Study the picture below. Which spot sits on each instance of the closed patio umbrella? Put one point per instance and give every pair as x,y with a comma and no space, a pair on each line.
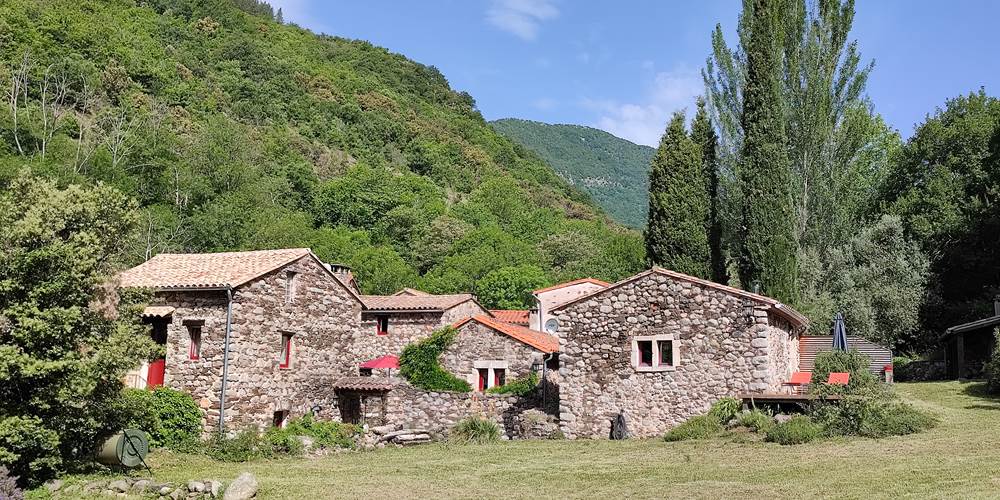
839,333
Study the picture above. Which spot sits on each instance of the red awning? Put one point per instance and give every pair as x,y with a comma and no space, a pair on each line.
383,362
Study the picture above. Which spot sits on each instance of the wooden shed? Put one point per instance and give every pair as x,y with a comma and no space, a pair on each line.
810,346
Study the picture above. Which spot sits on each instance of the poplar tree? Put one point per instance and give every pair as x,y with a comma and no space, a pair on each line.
767,242
703,134
678,204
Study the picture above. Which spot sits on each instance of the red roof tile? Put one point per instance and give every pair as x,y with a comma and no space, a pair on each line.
539,340
411,291
512,316
372,384
571,283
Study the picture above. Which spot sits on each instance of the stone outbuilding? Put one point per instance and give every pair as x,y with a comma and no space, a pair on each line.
488,352
275,321
662,346
390,322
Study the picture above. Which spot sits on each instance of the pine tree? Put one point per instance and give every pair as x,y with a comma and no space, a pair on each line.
279,16
703,134
767,235
678,204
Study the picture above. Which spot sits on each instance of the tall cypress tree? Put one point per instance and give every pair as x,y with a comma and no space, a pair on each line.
678,204
767,234
703,134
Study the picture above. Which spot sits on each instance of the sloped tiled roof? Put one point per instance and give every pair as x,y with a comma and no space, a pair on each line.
539,340
512,316
414,302
213,270
592,281
207,270
374,384
793,316
411,291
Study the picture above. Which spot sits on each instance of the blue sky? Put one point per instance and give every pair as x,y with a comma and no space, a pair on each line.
625,66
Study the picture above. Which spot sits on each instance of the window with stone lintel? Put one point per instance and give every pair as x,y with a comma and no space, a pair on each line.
655,353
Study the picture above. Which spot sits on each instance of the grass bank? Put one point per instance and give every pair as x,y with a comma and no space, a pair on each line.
958,458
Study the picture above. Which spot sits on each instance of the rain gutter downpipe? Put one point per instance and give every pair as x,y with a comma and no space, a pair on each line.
225,360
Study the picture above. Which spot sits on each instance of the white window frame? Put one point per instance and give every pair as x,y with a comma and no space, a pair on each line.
656,339
489,365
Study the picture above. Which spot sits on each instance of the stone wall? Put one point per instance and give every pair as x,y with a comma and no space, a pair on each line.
404,328
720,353
545,301
438,412
477,342
322,318
461,311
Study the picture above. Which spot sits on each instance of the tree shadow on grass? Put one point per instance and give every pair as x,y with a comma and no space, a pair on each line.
978,390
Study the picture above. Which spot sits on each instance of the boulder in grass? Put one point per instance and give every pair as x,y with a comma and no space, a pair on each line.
243,487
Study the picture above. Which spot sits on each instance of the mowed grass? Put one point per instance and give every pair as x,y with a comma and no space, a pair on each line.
960,458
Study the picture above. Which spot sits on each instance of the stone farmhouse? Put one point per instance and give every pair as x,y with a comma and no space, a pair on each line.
659,346
663,346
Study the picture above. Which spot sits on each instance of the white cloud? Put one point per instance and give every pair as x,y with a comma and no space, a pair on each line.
521,17
644,122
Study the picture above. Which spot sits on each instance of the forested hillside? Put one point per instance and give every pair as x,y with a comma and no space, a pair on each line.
234,131
614,171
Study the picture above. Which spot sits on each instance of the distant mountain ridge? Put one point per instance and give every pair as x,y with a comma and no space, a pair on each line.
612,170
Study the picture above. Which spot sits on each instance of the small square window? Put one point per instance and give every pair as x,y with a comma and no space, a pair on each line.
285,360
382,325
194,343
645,352
280,419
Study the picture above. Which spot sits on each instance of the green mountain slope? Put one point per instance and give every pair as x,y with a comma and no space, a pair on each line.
614,171
233,131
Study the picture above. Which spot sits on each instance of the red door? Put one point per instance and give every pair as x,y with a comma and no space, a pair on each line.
157,367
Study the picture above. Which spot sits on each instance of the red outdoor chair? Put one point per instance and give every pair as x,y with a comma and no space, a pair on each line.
839,378
799,380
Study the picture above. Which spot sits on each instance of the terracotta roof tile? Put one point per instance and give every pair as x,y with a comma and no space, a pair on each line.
411,291
571,283
375,384
414,302
539,340
207,270
512,316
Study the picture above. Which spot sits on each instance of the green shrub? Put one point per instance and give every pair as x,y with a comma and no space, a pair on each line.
28,449
280,441
852,362
992,366
170,417
755,420
873,415
799,429
475,429
325,434
700,427
725,409
419,363
521,386
243,447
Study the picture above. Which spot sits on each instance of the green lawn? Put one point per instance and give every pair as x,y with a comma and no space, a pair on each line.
959,458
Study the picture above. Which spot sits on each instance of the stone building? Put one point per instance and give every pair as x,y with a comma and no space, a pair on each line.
390,322
288,319
546,299
487,352
663,346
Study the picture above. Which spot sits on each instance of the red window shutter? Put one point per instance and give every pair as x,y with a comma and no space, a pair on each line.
499,377
484,375
286,351
382,325
194,347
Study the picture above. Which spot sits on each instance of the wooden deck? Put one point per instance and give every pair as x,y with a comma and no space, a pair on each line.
801,400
